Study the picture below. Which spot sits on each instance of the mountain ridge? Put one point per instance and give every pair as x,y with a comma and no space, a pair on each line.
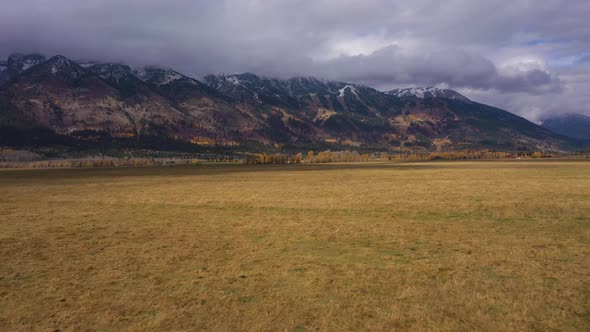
427,92
571,125
61,95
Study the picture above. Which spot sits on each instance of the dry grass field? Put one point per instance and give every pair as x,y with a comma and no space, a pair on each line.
426,246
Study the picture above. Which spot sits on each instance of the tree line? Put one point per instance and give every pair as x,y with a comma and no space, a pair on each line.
311,157
470,155
354,156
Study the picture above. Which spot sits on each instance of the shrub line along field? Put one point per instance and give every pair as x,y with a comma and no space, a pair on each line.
502,245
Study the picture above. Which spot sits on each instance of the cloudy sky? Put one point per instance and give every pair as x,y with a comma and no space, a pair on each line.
530,57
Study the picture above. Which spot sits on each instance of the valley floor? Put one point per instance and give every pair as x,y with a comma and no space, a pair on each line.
375,246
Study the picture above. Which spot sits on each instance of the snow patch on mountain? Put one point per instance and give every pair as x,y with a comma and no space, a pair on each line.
107,68
424,93
158,76
352,89
233,80
170,77
17,63
87,64
417,92
28,64
141,73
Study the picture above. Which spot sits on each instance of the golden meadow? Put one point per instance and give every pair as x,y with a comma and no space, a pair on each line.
471,245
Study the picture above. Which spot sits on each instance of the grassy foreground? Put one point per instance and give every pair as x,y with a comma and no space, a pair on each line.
449,246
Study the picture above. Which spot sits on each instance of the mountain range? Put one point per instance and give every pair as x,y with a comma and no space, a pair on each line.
570,125
66,98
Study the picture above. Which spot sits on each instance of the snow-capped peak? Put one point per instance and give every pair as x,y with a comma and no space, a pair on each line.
425,93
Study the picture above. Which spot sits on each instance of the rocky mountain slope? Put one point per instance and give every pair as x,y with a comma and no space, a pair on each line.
65,97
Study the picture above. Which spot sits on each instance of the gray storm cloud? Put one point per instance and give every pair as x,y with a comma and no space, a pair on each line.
451,67
500,51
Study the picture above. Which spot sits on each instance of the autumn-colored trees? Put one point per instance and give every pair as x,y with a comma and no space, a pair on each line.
321,157
10,159
336,157
354,156
275,158
467,155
